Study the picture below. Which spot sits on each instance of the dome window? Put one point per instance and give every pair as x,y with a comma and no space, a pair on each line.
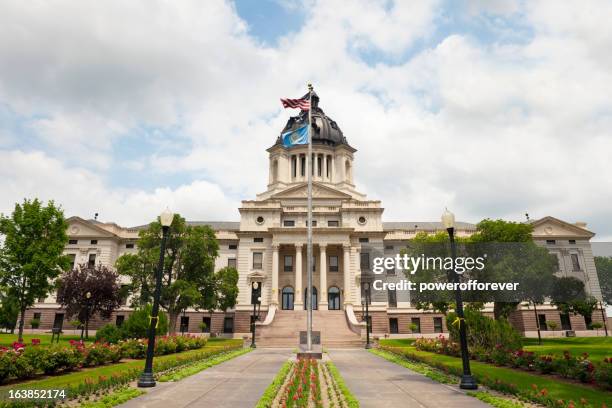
362,220
260,220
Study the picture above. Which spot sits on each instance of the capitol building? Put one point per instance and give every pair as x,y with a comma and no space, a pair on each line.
268,246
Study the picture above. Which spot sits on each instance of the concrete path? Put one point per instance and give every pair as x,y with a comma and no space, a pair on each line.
236,383
379,383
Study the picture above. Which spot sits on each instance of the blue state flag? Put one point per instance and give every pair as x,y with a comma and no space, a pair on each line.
294,137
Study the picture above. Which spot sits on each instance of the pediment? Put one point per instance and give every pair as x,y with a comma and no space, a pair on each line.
318,191
78,227
554,227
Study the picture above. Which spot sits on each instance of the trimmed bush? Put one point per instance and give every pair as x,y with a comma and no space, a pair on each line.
137,325
484,332
109,334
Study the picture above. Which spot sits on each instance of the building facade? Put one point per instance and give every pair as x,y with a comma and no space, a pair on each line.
268,246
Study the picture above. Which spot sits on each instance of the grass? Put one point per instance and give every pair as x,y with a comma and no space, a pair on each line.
115,398
350,399
556,388
495,400
7,339
597,347
202,365
65,380
269,394
396,342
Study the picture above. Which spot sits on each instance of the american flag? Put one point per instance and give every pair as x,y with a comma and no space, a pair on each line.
303,103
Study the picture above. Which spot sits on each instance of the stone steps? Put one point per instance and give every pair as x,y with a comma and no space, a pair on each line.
284,330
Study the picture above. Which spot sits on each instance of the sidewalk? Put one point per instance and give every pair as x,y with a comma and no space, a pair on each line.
239,382
379,383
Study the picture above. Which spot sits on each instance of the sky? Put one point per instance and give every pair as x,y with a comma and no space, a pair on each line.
491,108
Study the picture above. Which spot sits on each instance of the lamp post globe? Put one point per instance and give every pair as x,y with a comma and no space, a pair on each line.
467,380
256,301
146,378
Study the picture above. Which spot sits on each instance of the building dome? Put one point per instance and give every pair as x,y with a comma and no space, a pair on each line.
324,129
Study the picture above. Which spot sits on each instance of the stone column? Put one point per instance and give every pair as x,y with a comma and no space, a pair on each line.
274,274
323,275
299,294
346,270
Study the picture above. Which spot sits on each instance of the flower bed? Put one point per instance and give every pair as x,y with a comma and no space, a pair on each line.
23,362
307,383
579,368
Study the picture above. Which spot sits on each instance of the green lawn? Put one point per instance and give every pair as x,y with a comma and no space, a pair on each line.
523,380
396,342
597,347
7,339
64,380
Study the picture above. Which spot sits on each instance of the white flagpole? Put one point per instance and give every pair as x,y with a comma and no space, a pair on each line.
309,217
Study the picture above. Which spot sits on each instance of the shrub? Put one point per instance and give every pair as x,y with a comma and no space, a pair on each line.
137,325
109,334
35,323
485,332
133,348
544,364
603,374
61,358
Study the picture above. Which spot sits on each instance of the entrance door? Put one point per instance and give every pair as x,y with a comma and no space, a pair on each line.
287,303
333,298
315,298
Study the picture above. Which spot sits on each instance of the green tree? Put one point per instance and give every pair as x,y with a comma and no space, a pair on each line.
188,274
9,311
226,282
31,257
603,264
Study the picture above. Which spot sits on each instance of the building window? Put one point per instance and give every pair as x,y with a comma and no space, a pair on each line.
288,263
438,325
257,260
124,292
259,220
287,298
415,325
71,259
333,223
231,263
542,322
314,263
73,241
364,240
314,223
302,165
129,246
393,325
184,328
206,328
392,297
333,263
228,325
328,167
572,242
94,242
288,223
551,242
566,324
575,262
319,166
37,317
232,246
91,263
364,258
293,166
389,247
362,220
119,320
258,239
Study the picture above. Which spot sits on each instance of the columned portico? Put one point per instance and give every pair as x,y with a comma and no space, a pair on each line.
298,276
323,277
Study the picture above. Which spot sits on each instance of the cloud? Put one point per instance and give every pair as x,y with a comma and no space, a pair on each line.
441,116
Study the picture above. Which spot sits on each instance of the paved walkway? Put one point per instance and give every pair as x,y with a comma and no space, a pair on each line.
379,383
236,383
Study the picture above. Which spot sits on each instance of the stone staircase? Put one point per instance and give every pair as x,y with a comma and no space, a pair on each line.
287,324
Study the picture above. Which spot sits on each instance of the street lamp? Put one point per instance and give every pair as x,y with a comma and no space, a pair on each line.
256,305
146,378
467,381
366,287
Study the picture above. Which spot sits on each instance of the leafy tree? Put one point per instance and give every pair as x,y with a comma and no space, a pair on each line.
226,280
603,265
137,325
31,257
188,274
9,311
100,282
585,307
565,291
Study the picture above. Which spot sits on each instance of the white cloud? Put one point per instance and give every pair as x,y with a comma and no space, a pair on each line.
489,129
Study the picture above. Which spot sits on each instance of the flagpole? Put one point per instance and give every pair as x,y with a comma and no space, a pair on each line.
309,217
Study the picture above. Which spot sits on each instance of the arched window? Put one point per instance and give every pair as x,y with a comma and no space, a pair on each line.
287,293
315,298
333,298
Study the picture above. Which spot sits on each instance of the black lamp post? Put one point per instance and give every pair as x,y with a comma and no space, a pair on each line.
85,330
467,380
256,299
146,378
366,287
